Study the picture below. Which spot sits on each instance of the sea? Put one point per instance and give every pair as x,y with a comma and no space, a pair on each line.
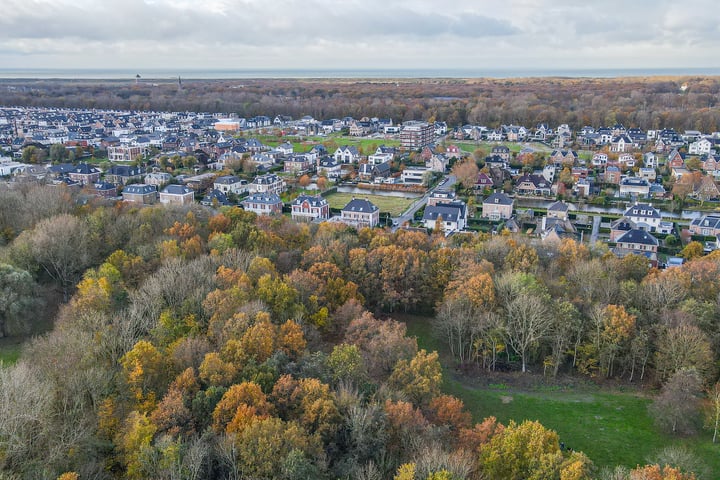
219,74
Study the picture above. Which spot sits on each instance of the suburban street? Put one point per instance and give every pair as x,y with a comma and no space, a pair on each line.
407,216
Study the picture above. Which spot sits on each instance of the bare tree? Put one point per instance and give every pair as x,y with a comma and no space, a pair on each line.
677,407
527,320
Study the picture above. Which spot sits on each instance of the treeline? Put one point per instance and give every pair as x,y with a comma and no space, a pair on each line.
224,345
648,103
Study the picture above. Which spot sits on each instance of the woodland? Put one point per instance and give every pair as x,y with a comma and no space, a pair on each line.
190,343
681,103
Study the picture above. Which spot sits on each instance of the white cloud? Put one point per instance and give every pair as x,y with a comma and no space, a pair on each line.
357,34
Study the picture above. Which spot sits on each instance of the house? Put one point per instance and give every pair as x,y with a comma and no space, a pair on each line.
438,163
200,182
414,175
440,196
497,206
621,143
649,173
707,225
84,174
599,159
555,230
125,153
360,212
105,190
701,147
298,164
563,157
501,151
215,198
533,185
177,195
140,193
122,174
306,208
558,210
650,160
637,242
157,178
285,148
368,172
453,216
484,182
644,216
347,154
626,160
263,203
634,186
268,183
676,159
330,168
382,157
612,175
230,184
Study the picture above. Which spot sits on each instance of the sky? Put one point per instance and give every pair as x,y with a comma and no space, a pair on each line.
359,34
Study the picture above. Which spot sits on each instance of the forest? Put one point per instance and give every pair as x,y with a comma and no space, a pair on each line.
681,103
190,343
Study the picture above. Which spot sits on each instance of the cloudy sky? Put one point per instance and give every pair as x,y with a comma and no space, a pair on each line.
350,34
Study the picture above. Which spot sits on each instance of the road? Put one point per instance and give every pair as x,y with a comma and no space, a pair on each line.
446,184
595,229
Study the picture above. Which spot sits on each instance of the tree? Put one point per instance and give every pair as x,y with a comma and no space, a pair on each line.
420,378
304,181
61,246
677,407
692,250
655,472
683,346
466,173
529,450
58,152
18,299
527,321
712,409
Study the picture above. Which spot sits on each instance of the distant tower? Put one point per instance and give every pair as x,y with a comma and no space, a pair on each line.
179,83
137,79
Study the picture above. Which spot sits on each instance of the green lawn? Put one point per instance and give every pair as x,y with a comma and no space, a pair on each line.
366,145
611,427
487,146
9,353
393,205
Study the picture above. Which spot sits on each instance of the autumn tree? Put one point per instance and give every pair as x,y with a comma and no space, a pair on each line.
466,173
529,450
420,378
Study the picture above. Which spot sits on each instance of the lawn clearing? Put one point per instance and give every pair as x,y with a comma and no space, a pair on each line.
9,353
393,205
611,427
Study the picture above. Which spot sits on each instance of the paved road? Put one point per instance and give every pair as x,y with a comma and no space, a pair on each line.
595,229
407,216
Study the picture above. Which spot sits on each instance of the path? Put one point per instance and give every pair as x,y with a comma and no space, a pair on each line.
595,229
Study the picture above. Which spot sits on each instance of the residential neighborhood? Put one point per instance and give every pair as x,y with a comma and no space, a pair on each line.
180,158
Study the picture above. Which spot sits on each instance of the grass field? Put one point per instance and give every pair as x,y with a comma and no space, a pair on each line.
9,353
611,427
366,145
393,205
513,146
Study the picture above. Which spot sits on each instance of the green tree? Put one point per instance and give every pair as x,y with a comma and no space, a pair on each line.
18,298
58,152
